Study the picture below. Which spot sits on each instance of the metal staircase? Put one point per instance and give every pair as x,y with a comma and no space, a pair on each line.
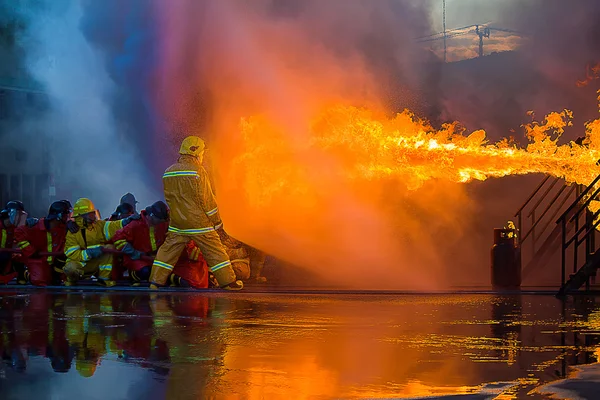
578,234
573,234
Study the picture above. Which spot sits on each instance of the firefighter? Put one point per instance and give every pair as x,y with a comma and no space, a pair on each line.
12,216
140,241
86,249
194,216
126,207
46,236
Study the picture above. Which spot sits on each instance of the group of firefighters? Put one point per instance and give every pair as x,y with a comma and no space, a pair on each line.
180,243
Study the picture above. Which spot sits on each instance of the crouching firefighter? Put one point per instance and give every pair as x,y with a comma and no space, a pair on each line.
48,235
194,216
86,248
11,217
140,240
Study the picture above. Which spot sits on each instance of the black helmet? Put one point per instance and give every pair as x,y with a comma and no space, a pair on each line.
14,206
159,210
59,209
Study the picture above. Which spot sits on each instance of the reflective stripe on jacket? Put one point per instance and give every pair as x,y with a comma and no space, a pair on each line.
99,234
190,198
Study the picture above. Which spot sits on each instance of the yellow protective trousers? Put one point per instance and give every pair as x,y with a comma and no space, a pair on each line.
209,244
99,267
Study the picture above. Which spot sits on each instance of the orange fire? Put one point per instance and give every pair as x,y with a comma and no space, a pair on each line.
592,72
361,145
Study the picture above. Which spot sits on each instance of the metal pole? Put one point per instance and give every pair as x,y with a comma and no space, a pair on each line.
444,21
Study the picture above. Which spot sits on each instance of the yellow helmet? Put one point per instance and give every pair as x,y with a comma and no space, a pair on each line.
83,206
192,145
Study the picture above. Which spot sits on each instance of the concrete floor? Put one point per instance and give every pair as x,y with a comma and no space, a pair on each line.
143,345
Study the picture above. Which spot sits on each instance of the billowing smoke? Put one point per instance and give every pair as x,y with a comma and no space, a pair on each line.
128,80
98,122
286,61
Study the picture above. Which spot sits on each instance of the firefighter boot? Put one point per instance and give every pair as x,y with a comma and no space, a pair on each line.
235,285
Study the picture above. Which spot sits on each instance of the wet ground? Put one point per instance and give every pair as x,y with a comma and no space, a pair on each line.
142,345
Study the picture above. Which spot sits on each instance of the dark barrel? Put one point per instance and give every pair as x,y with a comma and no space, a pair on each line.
506,260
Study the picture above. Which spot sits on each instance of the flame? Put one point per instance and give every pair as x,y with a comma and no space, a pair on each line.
356,144
592,72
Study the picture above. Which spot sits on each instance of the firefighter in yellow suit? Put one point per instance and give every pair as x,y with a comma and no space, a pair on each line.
85,247
194,216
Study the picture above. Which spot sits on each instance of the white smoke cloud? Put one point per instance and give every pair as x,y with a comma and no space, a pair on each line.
91,156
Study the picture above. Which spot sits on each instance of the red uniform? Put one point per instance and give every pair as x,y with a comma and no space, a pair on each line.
143,237
147,239
7,241
38,239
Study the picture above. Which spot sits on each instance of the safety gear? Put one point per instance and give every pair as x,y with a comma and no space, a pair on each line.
192,145
122,211
41,239
15,205
177,281
60,210
228,241
192,267
31,222
237,285
211,248
158,210
129,198
140,236
131,252
83,206
106,282
7,241
194,216
94,252
131,218
140,275
96,235
72,226
14,212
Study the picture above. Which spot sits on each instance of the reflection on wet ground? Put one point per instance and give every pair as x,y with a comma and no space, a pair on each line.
255,346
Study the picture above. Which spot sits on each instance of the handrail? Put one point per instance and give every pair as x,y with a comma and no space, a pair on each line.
560,206
591,230
542,198
583,234
532,195
581,196
584,205
548,207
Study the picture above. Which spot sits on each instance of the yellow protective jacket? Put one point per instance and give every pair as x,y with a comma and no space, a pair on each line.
98,235
190,198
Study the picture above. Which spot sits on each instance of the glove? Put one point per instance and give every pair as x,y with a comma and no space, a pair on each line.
221,232
227,240
72,226
94,252
31,222
59,261
128,220
131,252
